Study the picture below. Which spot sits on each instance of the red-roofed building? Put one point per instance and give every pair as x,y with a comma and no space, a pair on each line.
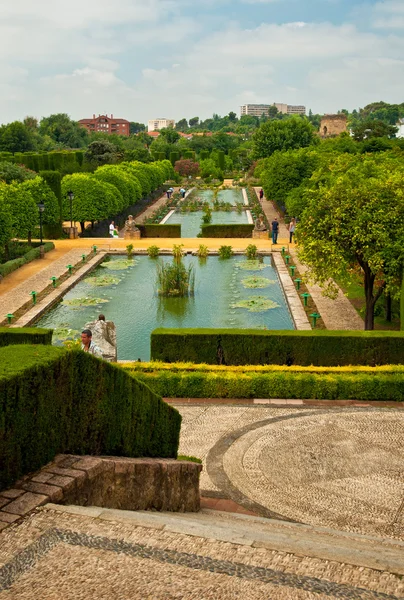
106,124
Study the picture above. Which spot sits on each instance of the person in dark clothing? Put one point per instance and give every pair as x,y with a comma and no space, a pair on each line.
261,194
275,230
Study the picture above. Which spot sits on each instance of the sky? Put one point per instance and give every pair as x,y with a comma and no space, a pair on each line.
147,59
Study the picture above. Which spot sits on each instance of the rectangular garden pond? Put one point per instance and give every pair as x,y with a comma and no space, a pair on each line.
191,220
229,293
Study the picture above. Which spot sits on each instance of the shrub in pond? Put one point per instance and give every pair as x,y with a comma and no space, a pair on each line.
256,304
175,279
153,251
129,250
225,252
202,251
257,282
251,252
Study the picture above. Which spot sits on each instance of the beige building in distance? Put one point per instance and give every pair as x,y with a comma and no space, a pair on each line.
157,124
257,110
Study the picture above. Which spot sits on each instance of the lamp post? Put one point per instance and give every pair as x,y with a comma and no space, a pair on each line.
72,233
41,208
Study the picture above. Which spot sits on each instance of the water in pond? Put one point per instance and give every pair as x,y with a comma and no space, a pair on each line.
191,222
135,307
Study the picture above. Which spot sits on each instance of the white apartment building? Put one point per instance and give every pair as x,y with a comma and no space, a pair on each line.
157,124
257,110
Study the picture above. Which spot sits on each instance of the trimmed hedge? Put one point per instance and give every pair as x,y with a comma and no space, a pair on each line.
242,346
242,230
24,335
275,384
58,401
160,231
16,263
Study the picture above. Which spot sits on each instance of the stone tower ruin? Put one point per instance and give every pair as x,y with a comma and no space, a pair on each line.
332,125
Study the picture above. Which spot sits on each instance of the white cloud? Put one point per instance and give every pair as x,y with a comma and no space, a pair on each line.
389,15
150,59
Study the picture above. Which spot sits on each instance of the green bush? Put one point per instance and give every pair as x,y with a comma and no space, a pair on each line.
24,335
242,230
53,400
160,231
53,179
32,254
254,347
225,252
277,384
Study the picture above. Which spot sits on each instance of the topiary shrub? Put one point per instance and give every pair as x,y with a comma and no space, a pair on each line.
57,401
242,230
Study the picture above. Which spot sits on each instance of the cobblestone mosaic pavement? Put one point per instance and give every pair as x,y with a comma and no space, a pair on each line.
339,468
56,556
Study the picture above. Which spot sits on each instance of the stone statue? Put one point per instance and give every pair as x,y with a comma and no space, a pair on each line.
130,230
104,336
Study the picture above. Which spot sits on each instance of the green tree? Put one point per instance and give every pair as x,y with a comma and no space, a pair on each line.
372,128
181,125
136,127
101,152
283,135
10,172
64,131
22,209
169,135
208,168
6,229
354,219
232,117
41,192
194,122
284,171
16,137
94,200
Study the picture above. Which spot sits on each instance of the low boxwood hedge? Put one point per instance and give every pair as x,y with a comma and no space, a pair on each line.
254,347
160,231
16,263
24,335
53,400
278,382
241,230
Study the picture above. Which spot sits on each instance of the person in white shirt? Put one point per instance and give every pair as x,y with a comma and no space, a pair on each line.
112,229
87,344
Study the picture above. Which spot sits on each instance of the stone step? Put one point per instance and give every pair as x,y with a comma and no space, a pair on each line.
383,554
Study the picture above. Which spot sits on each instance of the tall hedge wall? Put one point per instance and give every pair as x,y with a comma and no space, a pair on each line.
242,230
160,231
253,347
24,335
53,400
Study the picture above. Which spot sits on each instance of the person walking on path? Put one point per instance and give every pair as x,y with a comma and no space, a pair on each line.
261,194
291,229
182,192
275,230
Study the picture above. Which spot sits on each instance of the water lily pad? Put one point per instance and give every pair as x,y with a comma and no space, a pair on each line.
64,333
101,280
256,304
257,282
87,301
118,265
253,265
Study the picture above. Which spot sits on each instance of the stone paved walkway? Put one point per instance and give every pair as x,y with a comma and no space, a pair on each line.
15,297
75,553
339,468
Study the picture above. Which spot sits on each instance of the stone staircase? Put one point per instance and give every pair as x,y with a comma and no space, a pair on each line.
358,550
